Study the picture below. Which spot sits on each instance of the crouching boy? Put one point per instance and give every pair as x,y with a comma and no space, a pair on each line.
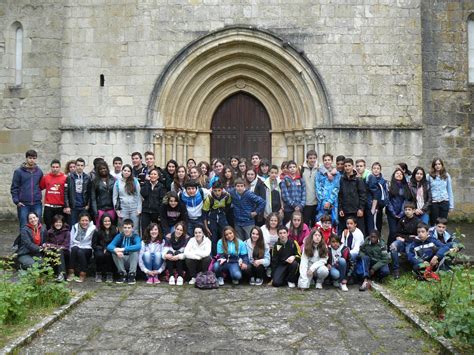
125,248
373,260
286,255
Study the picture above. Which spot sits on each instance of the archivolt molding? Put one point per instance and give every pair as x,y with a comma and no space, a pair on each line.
236,59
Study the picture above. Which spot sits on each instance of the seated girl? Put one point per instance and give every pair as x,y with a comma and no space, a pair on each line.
57,240
81,247
232,257
173,254
172,212
32,237
313,261
297,229
286,255
197,253
259,256
270,229
103,259
150,258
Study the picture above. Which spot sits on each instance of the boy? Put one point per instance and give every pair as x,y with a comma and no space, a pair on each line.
150,165
286,255
425,251
273,202
78,192
293,192
194,203
362,172
117,172
256,159
352,195
125,248
406,233
373,260
352,237
340,264
308,173
246,206
25,189
340,163
138,168
215,210
439,232
54,183
327,189
264,170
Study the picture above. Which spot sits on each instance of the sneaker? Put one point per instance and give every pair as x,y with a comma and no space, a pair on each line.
319,285
252,281
109,277
336,284
172,281
60,278
156,280
396,274
344,288
365,286
258,282
150,280
220,281
70,277
192,281
179,281
131,278
291,285
98,277
121,279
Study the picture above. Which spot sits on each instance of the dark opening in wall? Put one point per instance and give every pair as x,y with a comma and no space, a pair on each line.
102,80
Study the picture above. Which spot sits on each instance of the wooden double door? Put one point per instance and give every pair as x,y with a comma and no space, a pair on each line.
240,126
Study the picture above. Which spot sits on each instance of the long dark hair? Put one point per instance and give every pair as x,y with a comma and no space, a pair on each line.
423,181
147,235
296,231
224,240
259,250
309,248
177,184
225,181
130,181
442,174
394,189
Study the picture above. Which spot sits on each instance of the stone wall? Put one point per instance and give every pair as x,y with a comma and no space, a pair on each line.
448,99
30,112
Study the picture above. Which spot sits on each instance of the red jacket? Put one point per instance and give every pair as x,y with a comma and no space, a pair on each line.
54,186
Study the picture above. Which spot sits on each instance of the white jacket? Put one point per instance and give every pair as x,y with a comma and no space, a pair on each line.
357,240
197,251
156,248
317,266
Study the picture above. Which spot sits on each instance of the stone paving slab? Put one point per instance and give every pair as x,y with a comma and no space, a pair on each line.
164,319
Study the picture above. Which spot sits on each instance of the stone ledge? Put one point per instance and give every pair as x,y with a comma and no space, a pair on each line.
38,328
413,318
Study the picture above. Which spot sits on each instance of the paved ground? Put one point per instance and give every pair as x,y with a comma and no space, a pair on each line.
164,319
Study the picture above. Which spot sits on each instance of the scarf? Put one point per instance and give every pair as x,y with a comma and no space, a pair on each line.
36,233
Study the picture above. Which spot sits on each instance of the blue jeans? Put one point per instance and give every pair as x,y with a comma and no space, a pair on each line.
152,261
338,271
425,218
363,268
193,223
233,269
398,247
24,210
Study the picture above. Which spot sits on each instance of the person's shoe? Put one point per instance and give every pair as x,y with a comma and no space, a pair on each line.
70,277
179,281
344,288
98,277
365,286
336,284
235,282
121,279
252,281
172,281
81,278
60,278
291,285
192,281
396,274
319,285
156,280
150,280
258,282
131,278
109,277
220,281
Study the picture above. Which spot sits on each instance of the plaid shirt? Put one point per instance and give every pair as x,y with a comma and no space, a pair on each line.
293,193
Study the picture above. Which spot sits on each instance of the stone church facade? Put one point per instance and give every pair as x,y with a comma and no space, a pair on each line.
384,80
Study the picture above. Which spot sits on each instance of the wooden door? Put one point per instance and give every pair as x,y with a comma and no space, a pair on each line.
240,126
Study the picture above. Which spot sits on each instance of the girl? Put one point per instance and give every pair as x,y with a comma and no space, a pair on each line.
197,253
218,169
172,212
169,172
297,229
227,178
102,193
173,254
406,172
441,191
256,186
339,262
234,164
326,228
259,256
204,168
242,168
150,258
270,229
126,197
58,239
293,191
81,247
377,197
286,255
195,174
313,261
103,259
152,193
232,257
70,167
32,237
179,180
191,163
397,195
420,194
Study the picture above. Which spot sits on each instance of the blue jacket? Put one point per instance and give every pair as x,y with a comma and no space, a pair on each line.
421,251
293,193
131,244
397,202
25,185
232,254
377,190
245,204
327,190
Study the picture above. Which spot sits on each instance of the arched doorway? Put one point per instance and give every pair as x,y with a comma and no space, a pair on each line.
240,126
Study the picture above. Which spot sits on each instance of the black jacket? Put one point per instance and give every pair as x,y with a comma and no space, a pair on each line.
26,246
281,252
412,188
352,194
408,227
70,193
152,197
101,195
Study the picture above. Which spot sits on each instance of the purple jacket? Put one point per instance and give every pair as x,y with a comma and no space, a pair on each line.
25,185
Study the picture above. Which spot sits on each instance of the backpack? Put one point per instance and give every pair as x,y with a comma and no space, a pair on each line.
206,281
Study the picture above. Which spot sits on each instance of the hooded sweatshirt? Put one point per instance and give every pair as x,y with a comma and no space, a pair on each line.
25,185
82,238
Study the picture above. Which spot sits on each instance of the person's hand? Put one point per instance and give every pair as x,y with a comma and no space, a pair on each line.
360,213
309,273
253,214
401,239
373,210
119,214
329,266
244,266
222,261
19,204
434,261
67,210
290,259
341,213
327,206
297,208
209,233
138,213
119,254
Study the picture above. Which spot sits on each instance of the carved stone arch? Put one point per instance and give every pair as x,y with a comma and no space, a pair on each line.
208,70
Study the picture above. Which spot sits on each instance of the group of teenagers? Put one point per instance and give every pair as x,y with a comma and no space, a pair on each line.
289,225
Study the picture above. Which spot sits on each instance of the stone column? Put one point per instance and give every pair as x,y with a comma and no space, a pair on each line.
169,145
180,153
190,140
158,148
300,147
291,145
